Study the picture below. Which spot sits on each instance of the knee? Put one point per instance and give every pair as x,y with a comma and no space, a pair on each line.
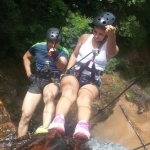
84,100
25,118
48,97
70,94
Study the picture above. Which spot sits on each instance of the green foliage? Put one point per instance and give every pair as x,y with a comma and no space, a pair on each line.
129,96
112,65
117,64
76,25
133,31
9,18
23,23
137,1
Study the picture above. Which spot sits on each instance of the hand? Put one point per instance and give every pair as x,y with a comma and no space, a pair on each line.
110,30
53,53
32,78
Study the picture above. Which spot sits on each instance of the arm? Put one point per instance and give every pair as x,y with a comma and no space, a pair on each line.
75,53
61,63
111,49
26,61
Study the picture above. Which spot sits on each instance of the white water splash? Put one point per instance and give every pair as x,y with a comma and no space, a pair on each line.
94,144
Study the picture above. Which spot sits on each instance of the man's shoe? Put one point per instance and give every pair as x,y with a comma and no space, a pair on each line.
41,129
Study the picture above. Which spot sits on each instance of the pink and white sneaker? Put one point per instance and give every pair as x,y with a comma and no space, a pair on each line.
82,131
58,124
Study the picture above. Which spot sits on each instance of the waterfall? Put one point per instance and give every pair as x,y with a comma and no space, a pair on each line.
94,144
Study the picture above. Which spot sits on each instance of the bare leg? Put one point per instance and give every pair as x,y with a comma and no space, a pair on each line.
29,104
86,95
69,88
49,93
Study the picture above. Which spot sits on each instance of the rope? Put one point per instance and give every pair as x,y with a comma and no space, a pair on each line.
141,146
121,93
63,21
142,142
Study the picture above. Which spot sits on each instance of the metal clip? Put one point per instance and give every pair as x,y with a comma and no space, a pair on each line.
95,52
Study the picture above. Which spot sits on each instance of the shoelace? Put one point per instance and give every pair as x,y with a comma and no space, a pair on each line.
83,125
59,119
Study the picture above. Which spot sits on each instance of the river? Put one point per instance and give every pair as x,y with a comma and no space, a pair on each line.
117,130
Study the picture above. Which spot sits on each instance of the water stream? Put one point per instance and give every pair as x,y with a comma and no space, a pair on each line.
94,144
115,133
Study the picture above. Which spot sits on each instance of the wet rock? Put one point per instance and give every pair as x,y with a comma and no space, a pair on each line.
47,141
137,95
6,125
13,92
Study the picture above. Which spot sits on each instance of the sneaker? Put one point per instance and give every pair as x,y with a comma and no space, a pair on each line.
58,124
82,131
41,129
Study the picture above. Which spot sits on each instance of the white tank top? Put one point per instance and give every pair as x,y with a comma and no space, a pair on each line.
100,59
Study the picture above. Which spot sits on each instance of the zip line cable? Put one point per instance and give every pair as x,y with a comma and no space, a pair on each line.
121,93
103,41
60,29
141,146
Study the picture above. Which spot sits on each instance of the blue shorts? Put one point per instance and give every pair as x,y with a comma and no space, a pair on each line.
97,84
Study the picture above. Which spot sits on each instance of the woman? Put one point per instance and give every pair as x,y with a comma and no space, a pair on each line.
82,81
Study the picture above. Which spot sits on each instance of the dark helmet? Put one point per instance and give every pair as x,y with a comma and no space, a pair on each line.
52,35
103,19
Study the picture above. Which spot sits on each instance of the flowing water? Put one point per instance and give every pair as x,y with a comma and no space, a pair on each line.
94,144
115,133
118,130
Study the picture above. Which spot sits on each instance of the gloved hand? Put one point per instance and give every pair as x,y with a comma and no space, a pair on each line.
32,78
53,53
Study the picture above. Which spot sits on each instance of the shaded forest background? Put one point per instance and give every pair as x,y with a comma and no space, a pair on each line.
24,22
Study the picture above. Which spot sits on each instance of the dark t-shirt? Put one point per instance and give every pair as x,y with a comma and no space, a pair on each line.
39,50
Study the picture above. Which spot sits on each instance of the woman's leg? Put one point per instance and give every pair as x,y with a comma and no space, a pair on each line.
69,88
86,95
29,104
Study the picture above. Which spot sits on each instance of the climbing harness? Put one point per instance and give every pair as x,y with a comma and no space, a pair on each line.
113,20
54,75
87,72
48,75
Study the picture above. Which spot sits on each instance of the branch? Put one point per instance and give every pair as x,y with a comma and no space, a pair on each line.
145,148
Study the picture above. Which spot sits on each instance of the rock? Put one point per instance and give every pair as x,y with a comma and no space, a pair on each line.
13,92
6,125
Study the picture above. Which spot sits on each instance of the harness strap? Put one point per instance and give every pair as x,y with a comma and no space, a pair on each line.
51,76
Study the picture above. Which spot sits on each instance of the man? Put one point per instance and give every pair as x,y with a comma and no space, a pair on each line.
51,59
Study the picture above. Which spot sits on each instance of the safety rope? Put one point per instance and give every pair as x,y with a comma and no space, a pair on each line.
105,36
65,16
100,110
47,63
141,146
